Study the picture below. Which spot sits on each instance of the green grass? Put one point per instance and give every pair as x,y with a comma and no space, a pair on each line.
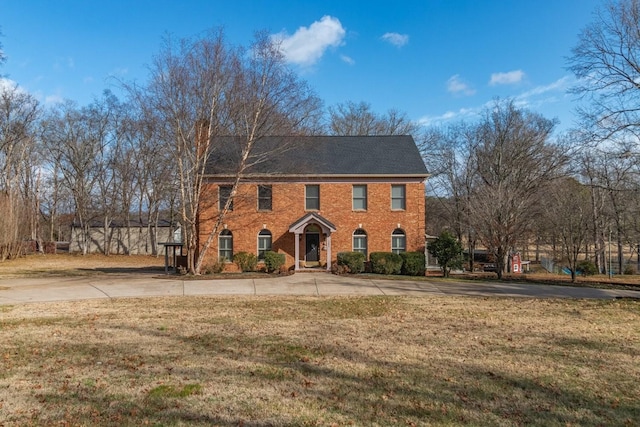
171,391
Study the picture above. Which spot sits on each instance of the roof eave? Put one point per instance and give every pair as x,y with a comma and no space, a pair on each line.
312,176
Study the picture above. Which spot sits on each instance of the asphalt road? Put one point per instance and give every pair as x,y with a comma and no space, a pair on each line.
26,290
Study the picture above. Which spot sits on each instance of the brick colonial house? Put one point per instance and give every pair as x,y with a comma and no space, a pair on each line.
314,196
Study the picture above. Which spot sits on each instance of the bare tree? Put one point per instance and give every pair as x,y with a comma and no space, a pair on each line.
187,91
202,89
448,154
568,211
352,118
74,143
3,57
267,99
515,164
19,113
156,177
606,61
614,183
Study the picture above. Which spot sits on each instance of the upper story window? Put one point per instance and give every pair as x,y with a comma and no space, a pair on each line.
360,241
264,243
264,197
312,198
398,197
398,241
359,197
224,192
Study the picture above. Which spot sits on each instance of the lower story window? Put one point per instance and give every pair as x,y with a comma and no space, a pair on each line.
360,241
225,246
264,243
398,241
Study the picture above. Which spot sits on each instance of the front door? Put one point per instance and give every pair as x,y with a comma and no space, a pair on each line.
313,247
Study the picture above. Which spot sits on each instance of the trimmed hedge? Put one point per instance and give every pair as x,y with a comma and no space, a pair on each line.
273,261
245,261
353,260
385,263
412,263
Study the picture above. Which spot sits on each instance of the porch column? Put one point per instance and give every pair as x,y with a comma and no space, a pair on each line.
297,238
329,251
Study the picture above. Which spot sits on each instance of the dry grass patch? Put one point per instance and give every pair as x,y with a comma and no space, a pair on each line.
79,265
286,361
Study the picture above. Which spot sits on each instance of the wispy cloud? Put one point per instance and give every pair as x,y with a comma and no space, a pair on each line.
450,116
307,45
509,78
457,86
347,59
534,99
545,94
53,99
560,85
396,39
64,63
122,71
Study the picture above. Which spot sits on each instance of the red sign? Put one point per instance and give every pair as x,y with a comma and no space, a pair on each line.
516,263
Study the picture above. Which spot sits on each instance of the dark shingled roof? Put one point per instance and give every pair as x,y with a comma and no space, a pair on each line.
321,156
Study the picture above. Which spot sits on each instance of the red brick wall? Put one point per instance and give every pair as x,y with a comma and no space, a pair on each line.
288,205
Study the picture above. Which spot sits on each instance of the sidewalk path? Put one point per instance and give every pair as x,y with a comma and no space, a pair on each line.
24,290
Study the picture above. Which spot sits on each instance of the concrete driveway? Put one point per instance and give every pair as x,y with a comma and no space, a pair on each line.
25,290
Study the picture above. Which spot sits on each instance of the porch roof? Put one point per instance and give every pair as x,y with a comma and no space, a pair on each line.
312,218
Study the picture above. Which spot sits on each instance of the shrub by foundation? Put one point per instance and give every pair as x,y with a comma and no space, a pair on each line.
412,263
353,260
214,267
385,263
273,261
245,261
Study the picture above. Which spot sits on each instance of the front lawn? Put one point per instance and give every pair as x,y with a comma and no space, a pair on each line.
286,361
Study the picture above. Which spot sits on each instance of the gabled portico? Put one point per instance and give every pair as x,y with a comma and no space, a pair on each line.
307,226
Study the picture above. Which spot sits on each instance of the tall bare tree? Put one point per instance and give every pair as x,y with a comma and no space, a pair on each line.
74,141
516,162
448,153
19,113
187,90
568,211
3,56
158,189
606,61
352,118
205,88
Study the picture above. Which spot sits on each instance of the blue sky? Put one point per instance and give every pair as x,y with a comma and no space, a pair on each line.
436,60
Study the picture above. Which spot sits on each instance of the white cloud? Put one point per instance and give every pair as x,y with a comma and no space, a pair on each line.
560,85
396,39
347,59
541,98
458,86
6,84
508,78
53,99
449,116
307,45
